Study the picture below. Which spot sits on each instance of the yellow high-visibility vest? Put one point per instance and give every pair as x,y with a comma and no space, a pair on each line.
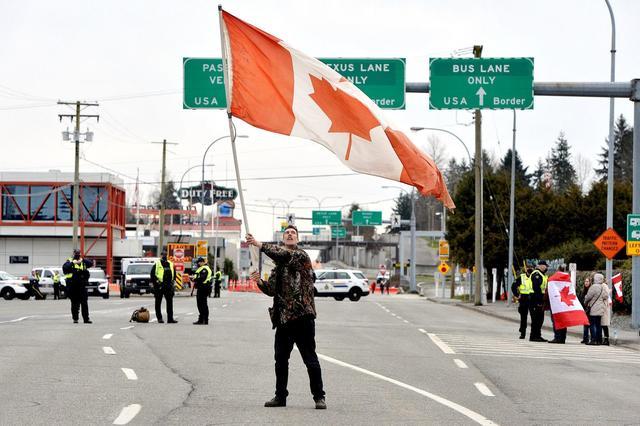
79,266
209,273
526,286
543,287
160,271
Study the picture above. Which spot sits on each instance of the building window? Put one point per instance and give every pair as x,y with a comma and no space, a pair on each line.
42,203
94,203
65,201
15,202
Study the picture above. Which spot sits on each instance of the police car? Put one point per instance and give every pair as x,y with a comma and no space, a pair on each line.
11,286
341,283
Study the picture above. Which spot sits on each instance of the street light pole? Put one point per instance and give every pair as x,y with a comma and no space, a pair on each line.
611,158
202,182
180,187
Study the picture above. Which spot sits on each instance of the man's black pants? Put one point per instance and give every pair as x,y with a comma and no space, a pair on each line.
216,290
79,298
201,299
168,295
302,332
523,309
537,318
56,291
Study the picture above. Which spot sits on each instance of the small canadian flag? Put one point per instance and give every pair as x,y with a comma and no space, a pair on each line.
617,284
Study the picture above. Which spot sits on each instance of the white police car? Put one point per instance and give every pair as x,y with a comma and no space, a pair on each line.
11,286
341,283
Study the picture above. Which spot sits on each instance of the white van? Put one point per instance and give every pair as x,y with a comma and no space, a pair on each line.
136,276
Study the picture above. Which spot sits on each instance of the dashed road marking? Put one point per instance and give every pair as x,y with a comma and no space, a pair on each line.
407,322
439,343
188,314
154,320
422,330
483,389
460,363
393,315
108,350
107,336
127,328
476,417
224,306
127,414
399,317
131,375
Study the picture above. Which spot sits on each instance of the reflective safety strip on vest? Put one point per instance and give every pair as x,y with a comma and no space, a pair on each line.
526,285
543,287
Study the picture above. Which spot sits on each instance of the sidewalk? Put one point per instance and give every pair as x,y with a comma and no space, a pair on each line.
627,337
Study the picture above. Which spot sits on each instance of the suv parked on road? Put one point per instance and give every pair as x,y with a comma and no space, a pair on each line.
98,283
11,286
341,283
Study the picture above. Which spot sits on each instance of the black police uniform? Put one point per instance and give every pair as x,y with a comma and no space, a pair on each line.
537,305
217,280
163,289
203,286
76,279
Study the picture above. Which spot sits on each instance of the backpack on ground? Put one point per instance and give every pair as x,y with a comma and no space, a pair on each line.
140,315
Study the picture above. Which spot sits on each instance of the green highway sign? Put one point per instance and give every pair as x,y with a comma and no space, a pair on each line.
338,232
203,84
316,230
633,234
326,217
481,83
382,80
366,218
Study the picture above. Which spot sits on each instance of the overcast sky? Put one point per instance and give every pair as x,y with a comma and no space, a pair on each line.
127,55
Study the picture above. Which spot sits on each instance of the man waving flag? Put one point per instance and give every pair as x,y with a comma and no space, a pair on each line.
565,307
277,88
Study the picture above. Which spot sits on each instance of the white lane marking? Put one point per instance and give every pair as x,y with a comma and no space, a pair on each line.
224,306
188,313
127,328
131,375
422,330
407,322
17,319
127,414
460,363
476,417
393,315
154,320
107,336
483,389
108,350
439,343
399,317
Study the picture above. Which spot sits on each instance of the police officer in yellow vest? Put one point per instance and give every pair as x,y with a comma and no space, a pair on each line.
76,276
217,280
202,280
163,275
522,289
56,285
539,286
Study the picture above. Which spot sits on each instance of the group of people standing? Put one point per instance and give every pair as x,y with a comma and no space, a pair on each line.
530,290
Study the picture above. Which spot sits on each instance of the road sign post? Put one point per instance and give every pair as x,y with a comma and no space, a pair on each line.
366,218
481,83
381,79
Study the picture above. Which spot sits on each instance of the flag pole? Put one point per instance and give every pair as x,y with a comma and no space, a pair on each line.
232,132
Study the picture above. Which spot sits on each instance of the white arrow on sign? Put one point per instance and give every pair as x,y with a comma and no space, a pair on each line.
481,94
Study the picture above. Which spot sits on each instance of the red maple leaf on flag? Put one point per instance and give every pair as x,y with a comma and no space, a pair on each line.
347,114
566,297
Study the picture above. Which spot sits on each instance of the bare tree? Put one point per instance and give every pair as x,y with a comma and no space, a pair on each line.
437,150
584,170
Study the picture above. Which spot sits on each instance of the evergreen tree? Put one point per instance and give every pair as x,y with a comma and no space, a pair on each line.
563,174
623,153
521,172
454,173
538,176
402,208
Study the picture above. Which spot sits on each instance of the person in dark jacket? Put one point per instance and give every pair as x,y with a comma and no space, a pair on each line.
76,275
522,288
217,281
202,281
163,274
293,313
539,283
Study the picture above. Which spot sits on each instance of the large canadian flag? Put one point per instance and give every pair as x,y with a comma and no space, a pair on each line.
277,88
565,307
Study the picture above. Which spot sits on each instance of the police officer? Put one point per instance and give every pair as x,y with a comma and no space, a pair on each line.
217,280
163,274
202,281
76,275
56,285
522,289
539,286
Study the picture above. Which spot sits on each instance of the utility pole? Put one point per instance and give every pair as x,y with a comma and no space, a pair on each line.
477,52
611,144
512,213
412,265
162,191
76,173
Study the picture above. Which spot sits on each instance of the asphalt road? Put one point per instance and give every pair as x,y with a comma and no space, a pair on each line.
385,359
